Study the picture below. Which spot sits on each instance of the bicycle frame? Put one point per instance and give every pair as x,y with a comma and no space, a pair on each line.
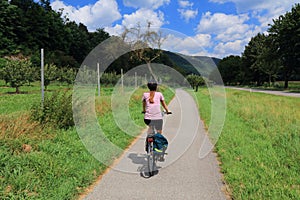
151,157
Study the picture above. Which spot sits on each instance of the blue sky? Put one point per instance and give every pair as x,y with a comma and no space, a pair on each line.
215,28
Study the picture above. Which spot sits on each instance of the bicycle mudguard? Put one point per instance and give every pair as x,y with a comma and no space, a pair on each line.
150,139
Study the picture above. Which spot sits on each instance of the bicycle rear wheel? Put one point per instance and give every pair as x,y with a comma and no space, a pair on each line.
151,160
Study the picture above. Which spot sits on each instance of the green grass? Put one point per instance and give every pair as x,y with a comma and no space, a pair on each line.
17,103
58,166
11,103
34,87
259,147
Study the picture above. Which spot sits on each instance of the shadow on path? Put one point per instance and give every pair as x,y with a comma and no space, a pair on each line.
141,160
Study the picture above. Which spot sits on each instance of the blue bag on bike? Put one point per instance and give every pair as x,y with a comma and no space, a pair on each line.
160,143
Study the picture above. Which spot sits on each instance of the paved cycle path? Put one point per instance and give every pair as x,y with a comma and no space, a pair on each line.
280,93
183,174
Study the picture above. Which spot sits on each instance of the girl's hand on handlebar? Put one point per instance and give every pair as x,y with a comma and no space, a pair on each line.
169,113
143,112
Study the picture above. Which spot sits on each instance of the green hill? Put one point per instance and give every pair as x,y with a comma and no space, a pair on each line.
193,64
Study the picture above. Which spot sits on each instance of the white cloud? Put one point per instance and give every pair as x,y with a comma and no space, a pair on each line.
267,18
186,10
234,47
184,4
116,30
102,13
150,4
188,14
141,17
229,33
187,45
220,23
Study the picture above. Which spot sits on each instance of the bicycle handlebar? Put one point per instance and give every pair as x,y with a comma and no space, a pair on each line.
168,113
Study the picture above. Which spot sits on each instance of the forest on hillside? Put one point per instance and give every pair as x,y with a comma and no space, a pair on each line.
27,26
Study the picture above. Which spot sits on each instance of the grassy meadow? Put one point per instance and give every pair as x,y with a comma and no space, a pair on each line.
42,162
259,147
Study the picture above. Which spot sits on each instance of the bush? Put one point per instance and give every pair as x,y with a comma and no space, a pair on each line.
56,110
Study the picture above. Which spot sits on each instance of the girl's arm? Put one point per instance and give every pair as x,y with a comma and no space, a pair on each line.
164,105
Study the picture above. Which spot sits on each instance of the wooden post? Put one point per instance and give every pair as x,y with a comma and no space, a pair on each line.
42,75
98,78
135,80
122,80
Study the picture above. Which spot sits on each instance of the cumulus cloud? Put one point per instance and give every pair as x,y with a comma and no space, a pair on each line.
229,47
225,27
188,14
141,17
230,33
187,45
150,4
184,4
102,13
186,10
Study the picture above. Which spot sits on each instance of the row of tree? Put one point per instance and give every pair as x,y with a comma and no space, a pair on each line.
18,72
268,57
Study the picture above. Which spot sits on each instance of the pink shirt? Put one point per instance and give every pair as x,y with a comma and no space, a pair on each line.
153,110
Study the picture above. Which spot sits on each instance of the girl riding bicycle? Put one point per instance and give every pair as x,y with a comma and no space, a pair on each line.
151,107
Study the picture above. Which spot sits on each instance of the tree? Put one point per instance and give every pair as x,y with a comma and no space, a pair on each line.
80,46
67,75
97,37
8,18
268,61
195,81
17,73
249,59
146,45
51,73
286,34
230,70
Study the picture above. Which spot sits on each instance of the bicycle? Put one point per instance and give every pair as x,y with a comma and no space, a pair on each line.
153,155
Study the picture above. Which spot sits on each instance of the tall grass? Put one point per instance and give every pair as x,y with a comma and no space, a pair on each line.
259,147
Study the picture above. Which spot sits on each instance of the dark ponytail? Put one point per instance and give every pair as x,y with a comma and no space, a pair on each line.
152,87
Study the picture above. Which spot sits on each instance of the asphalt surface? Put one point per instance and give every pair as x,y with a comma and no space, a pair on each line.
183,174
281,93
